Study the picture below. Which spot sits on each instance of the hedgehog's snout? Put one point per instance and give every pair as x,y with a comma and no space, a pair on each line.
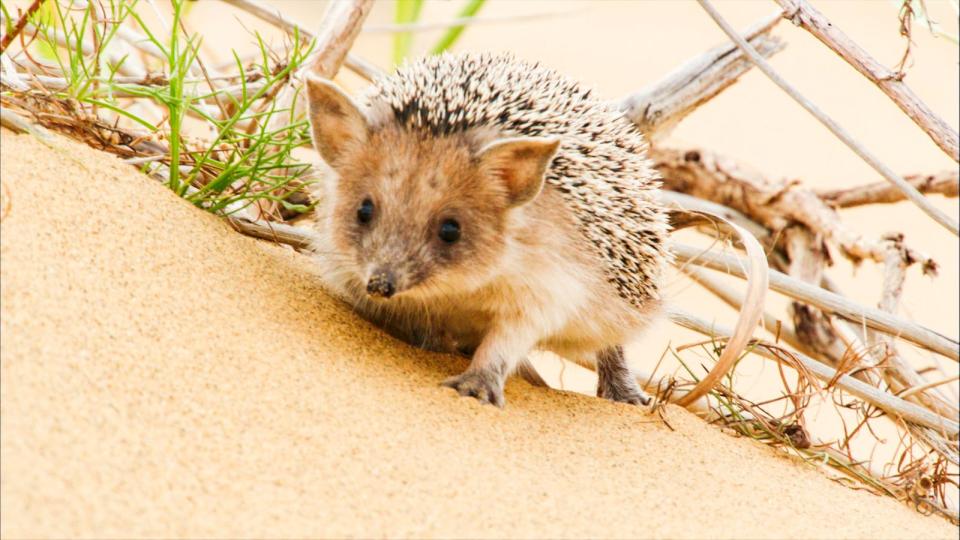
382,283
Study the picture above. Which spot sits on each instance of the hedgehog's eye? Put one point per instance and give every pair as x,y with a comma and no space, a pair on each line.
365,212
449,231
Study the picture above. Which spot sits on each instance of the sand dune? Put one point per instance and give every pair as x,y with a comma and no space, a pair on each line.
164,376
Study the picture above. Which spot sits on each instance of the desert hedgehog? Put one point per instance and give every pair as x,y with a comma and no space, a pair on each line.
483,204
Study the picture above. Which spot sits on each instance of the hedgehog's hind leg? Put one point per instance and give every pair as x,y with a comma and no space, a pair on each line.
616,381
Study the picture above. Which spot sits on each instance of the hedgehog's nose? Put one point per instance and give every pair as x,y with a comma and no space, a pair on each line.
382,283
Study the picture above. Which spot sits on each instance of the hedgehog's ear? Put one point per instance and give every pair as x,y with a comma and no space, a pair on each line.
520,163
337,121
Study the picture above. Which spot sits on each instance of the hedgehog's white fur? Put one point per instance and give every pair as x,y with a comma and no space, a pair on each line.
601,169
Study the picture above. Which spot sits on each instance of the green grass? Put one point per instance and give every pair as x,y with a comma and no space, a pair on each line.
241,159
247,152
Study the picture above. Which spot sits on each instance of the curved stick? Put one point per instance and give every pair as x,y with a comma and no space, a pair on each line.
750,315
827,301
892,405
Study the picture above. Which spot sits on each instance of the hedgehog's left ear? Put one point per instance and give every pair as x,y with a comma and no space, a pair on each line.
336,120
520,163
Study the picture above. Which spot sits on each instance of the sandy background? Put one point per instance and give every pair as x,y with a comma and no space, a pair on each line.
164,376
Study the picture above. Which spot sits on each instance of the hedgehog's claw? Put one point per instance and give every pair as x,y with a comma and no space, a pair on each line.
485,386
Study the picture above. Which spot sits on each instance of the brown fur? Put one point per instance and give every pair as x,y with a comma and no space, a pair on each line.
424,182
522,274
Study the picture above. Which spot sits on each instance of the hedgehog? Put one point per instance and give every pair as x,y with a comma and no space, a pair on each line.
482,204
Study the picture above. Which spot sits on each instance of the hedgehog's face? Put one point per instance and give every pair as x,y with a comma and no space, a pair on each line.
413,215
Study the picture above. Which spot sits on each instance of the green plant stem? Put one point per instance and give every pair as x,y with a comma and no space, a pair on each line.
408,11
453,34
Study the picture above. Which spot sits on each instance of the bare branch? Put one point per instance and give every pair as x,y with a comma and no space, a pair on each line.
946,183
59,84
19,124
899,373
340,28
938,215
18,27
707,176
892,405
682,201
821,330
658,108
295,237
808,258
734,298
828,301
469,21
275,17
116,58
802,14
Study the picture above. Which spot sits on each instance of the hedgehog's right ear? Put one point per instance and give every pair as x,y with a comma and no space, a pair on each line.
337,122
520,164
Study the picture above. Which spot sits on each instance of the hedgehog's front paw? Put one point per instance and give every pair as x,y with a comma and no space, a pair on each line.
484,385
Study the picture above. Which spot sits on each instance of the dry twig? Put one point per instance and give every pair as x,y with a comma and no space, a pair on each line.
274,16
890,404
707,176
828,301
911,193
18,27
659,107
899,374
802,14
340,28
946,183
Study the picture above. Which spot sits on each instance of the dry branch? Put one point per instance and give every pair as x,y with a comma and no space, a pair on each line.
707,176
658,108
915,196
123,67
340,28
828,301
899,373
802,14
60,84
837,339
425,26
946,183
734,298
816,332
296,237
18,27
19,124
808,257
682,201
278,19
888,403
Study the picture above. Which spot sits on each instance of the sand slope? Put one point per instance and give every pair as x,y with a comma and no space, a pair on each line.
165,376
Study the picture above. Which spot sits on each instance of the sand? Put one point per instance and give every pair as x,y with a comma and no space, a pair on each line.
165,376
